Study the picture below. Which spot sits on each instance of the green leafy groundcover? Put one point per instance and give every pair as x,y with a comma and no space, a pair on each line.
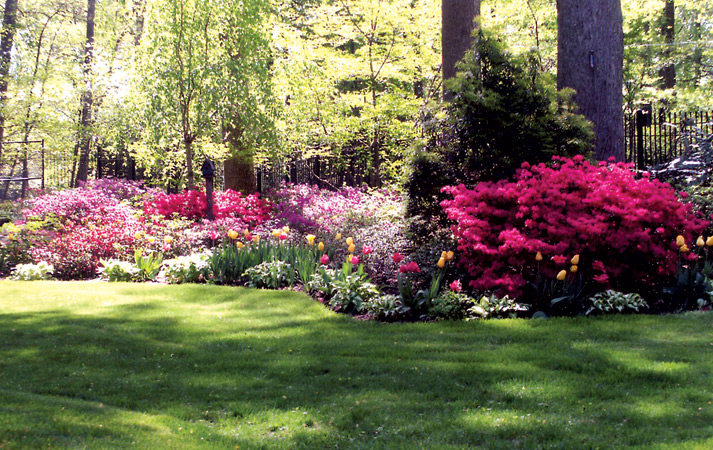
111,365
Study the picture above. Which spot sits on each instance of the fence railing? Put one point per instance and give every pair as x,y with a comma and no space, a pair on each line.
653,136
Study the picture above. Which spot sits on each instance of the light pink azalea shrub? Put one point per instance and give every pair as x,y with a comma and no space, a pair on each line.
623,227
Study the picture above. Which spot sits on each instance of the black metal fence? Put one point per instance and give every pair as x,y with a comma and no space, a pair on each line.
654,136
325,172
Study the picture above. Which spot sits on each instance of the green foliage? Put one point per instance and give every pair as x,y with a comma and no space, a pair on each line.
271,275
186,269
117,270
32,272
384,307
416,303
505,112
450,305
611,301
493,307
346,289
147,266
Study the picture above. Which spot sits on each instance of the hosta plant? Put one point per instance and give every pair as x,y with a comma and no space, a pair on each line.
117,270
271,275
611,301
384,307
148,266
450,305
493,307
186,269
32,272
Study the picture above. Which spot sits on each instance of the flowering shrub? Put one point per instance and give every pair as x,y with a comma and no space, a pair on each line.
622,226
79,206
116,188
347,209
192,205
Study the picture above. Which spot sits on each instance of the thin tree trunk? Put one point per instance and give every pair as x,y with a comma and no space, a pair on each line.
238,169
188,144
458,23
9,24
590,49
668,72
85,121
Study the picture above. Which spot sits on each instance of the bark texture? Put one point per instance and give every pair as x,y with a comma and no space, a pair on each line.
238,169
590,49
85,116
457,25
668,30
7,35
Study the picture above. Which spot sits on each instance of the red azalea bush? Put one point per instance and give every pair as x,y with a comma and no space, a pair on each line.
251,209
624,228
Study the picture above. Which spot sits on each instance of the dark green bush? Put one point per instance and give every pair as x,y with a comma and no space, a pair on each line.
503,112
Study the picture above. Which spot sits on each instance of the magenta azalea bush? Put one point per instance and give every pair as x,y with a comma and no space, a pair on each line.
250,209
624,228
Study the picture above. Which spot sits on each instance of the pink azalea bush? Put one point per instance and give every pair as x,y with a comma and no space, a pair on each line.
624,228
251,209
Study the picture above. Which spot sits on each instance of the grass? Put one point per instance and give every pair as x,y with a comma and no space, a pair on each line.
87,364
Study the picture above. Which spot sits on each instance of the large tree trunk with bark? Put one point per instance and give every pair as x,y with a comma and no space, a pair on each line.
668,72
238,169
9,23
590,47
458,23
85,118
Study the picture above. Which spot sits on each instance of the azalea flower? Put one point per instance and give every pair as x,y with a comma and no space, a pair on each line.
397,257
456,286
559,259
603,278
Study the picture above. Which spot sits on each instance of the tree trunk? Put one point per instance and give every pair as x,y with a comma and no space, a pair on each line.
85,119
458,23
590,49
188,143
668,72
7,35
238,169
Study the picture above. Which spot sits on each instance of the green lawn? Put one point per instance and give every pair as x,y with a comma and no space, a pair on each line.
115,365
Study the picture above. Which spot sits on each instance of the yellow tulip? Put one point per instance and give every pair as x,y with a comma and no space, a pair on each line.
232,234
700,242
573,269
684,248
450,255
352,247
286,229
167,239
240,245
246,233
256,239
320,246
350,241
441,263
137,235
444,255
575,260
538,256
150,239
276,232
680,241
338,236
561,276
310,238
709,241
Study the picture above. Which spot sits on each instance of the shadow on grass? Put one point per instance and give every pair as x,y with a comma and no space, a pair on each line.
273,369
